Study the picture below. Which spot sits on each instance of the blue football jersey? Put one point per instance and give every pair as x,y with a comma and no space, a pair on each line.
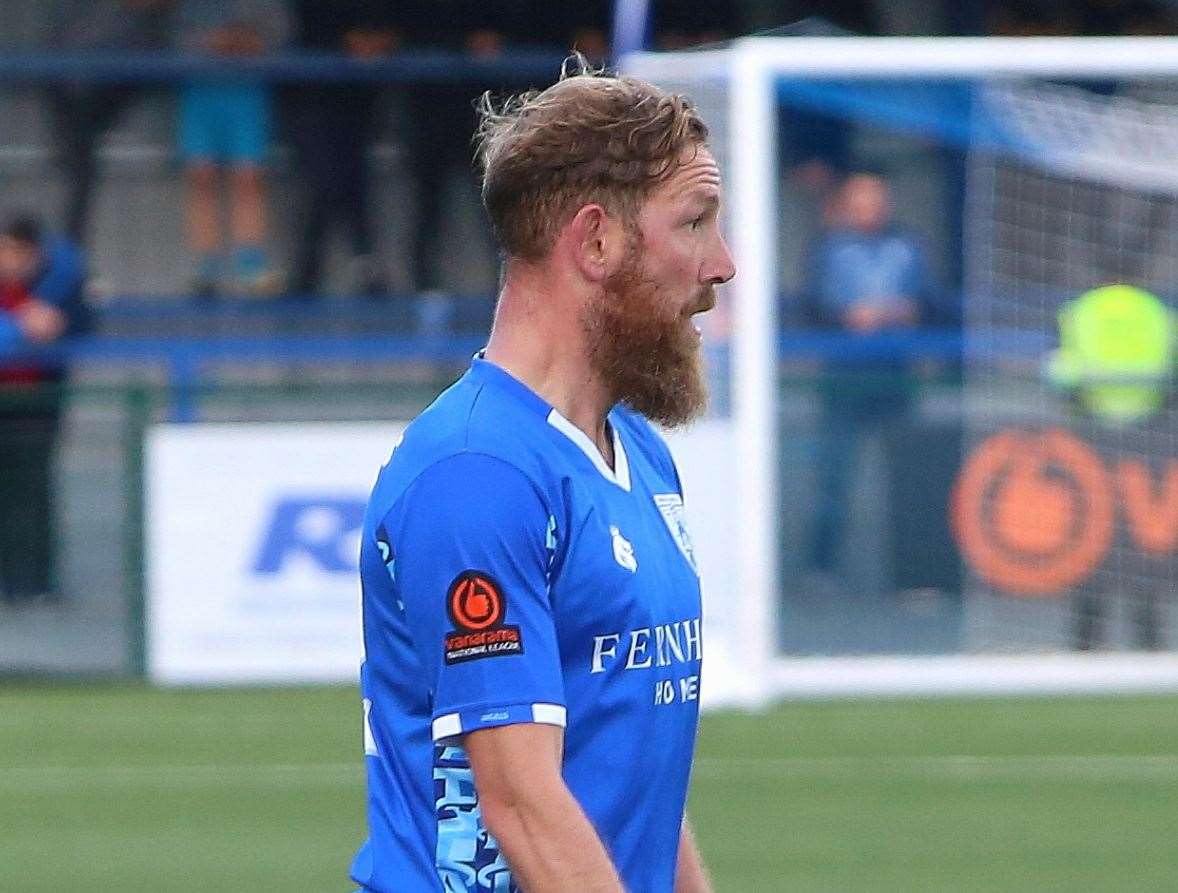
510,575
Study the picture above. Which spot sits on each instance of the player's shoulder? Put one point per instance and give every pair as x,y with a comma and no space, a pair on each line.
471,433
637,430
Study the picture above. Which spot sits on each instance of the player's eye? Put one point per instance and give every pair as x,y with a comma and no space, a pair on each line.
697,222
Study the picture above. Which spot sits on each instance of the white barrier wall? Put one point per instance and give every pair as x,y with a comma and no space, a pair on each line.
703,454
253,534
251,544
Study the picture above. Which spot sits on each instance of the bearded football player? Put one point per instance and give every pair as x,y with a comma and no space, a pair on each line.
532,620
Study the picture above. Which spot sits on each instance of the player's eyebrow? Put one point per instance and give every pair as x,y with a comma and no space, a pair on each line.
704,195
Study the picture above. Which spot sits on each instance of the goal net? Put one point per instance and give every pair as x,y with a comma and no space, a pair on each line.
983,495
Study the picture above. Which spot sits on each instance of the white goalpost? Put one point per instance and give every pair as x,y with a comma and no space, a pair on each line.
1040,153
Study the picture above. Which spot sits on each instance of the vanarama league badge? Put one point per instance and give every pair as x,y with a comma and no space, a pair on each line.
477,606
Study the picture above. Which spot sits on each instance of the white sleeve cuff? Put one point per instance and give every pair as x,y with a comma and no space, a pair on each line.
451,725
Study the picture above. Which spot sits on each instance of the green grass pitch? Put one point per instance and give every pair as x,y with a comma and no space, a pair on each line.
128,789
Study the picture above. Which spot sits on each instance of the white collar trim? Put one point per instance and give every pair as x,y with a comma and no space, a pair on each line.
619,474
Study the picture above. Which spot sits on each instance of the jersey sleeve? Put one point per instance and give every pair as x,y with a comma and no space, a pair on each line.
472,558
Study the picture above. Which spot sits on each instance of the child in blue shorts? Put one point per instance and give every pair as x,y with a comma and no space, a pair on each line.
224,138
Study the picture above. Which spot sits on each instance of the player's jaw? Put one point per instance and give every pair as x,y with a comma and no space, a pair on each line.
647,348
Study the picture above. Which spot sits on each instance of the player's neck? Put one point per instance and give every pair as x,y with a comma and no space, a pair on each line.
543,345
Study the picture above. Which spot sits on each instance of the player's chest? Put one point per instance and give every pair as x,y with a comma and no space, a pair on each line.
627,591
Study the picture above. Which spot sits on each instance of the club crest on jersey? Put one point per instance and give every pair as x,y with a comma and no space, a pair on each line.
670,506
623,550
477,607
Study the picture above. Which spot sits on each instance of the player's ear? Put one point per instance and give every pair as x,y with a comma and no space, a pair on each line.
596,239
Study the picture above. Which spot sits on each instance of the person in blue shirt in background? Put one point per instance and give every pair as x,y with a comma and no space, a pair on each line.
867,276
41,289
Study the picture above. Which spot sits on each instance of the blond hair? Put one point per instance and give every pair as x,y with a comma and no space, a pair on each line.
590,137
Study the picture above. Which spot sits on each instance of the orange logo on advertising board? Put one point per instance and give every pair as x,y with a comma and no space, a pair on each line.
1152,513
1034,513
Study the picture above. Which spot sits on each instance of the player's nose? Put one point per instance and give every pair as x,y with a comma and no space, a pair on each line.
719,267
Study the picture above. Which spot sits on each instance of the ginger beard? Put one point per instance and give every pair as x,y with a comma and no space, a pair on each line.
646,351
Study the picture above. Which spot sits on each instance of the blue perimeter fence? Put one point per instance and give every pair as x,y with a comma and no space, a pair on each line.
129,333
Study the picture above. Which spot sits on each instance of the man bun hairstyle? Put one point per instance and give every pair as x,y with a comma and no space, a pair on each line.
590,137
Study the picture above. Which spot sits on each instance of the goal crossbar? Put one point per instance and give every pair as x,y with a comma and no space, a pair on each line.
921,57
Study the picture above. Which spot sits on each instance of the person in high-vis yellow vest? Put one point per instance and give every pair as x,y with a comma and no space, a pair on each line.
1116,353
1116,360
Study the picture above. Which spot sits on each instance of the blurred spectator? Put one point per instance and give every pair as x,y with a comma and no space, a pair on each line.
811,16
816,147
82,113
331,127
439,128
1116,354
1149,20
679,24
1116,362
1032,18
867,276
1123,17
225,129
586,27
440,116
41,280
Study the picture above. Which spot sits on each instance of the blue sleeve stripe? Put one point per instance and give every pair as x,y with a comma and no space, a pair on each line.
451,725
